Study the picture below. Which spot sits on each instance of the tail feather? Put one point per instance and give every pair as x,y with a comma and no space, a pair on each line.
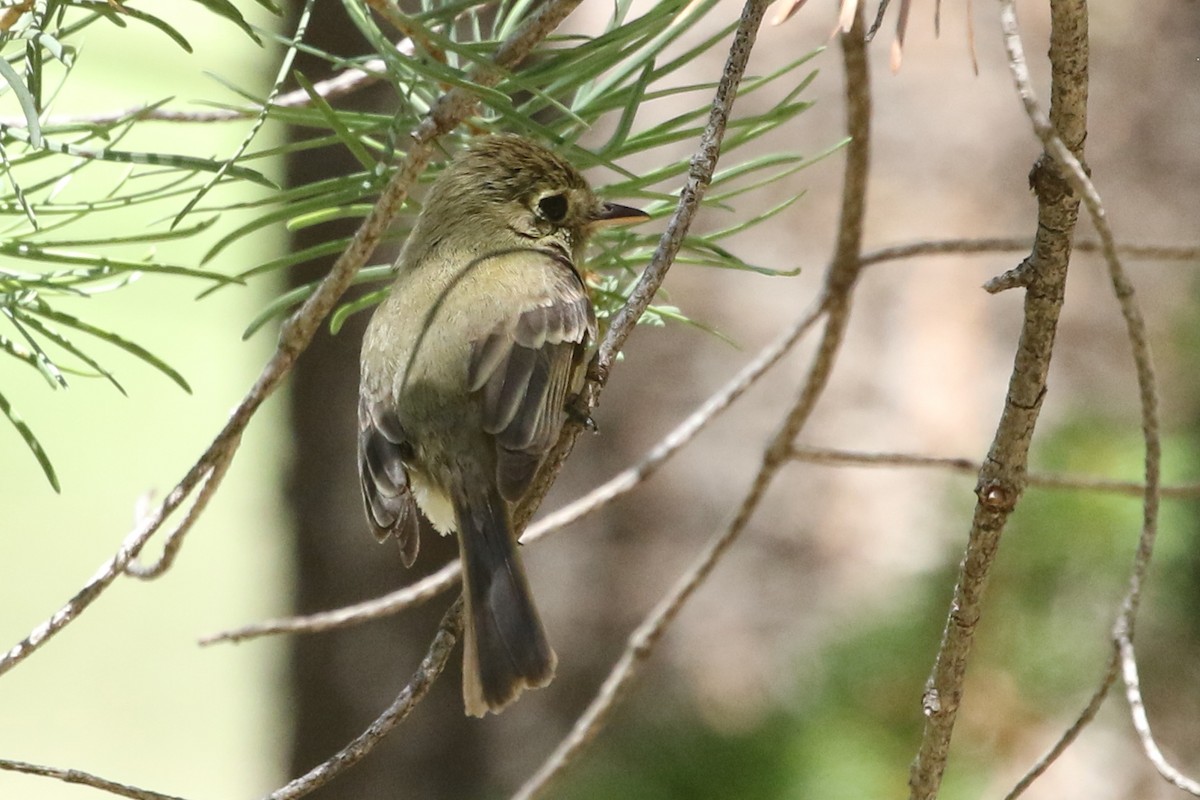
505,645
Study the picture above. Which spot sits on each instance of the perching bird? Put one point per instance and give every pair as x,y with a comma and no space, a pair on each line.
467,368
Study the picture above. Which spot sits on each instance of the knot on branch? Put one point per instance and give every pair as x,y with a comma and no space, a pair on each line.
931,702
998,496
1047,181
1018,277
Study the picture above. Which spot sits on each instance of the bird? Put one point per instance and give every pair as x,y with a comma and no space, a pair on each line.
466,372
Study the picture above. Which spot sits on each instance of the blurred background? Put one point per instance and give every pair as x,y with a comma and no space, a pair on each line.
797,670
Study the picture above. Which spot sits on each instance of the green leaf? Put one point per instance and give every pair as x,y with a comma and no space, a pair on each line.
31,442
114,339
155,22
71,348
344,134
152,159
288,300
109,265
25,100
625,124
346,310
226,9
42,360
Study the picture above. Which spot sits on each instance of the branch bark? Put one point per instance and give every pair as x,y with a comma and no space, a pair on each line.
414,691
85,779
1002,479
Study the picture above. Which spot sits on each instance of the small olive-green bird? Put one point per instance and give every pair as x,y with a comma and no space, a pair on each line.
467,369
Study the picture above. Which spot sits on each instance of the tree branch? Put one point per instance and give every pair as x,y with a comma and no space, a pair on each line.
1141,723
1002,478
85,779
1072,733
413,692
703,165
935,247
1086,483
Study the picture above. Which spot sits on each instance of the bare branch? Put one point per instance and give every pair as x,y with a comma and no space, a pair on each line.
174,540
935,247
298,330
1087,483
1070,734
1141,723
391,603
85,779
418,686
840,280
703,165
1002,478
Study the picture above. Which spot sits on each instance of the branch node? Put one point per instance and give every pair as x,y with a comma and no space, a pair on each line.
997,496
1047,181
1019,277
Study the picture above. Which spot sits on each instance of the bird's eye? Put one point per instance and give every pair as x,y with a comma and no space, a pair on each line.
553,207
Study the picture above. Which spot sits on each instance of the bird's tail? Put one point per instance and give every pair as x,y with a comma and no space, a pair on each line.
505,649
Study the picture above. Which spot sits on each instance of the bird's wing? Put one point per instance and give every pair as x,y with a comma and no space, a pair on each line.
524,369
383,449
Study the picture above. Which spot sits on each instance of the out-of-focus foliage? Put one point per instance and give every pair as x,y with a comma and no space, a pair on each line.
849,730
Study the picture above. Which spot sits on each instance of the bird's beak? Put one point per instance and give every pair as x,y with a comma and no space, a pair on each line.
616,214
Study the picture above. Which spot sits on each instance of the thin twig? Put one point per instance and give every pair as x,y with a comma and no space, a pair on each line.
298,330
700,172
701,168
1086,483
413,692
391,603
174,542
85,779
1070,734
839,282
1141,723
934,247
1002,478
